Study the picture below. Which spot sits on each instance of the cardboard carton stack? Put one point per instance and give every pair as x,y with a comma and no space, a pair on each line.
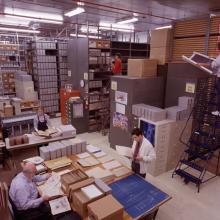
160,45
24,86
106,208
83,193
142,67
183,110
149,112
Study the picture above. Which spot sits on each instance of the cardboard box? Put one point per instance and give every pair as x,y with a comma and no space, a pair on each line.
74,187
72,177
106,208
161,38
80,202
142,67
8,110
161,54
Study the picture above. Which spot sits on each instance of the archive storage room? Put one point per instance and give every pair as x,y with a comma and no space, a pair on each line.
109,110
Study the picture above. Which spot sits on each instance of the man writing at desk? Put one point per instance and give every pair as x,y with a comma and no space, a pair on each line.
42,120
143,153
24,194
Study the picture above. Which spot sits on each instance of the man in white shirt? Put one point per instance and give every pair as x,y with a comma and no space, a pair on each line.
143,153
216,70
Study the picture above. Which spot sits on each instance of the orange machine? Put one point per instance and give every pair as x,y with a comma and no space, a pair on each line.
64,96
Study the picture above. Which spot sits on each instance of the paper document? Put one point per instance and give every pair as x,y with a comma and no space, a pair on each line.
99,172
52,187
124,151
111,165
83,155
100,154
35,160
59,205
47,133
91,191
92,149
89,161
121,171
105,159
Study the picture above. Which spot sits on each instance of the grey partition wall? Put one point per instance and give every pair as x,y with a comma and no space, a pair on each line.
179,74
139,90
78,65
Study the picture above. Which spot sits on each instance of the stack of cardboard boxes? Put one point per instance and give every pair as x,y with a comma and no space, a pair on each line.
8,82
160,45
142,67
25,86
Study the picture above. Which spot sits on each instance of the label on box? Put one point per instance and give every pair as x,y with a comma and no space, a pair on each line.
86,76
114,85
190,87
69,73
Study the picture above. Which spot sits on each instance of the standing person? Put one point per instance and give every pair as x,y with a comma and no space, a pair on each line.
117,65
216,70
143,153
24,194
41,121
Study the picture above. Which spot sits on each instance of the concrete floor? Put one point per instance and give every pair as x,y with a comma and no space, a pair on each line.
186,203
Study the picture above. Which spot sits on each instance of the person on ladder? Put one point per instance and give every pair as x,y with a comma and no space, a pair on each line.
216,70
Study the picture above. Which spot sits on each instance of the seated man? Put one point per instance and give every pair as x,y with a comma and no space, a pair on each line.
24,194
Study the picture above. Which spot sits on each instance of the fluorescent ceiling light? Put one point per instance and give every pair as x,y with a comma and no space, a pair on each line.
93,30
164,27
116,27
83,35
19,30
128,20
75,11
34,15
13,21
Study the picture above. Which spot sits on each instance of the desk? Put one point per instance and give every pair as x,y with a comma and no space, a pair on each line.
24,151
141,200
35,141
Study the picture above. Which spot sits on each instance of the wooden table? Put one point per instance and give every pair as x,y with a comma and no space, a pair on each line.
149,215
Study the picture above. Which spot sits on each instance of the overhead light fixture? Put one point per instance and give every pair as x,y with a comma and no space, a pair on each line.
84,36
75,11
13,21
93,30
34,15
19,30
128,20
116,27
164,27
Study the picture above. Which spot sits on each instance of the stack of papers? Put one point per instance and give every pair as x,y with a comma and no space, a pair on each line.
59,205
58,163
124,151
35,160
83,155
47,133
52,187
111,165
92,149
99,154
105,159
97,172
91,191
88,162
121,171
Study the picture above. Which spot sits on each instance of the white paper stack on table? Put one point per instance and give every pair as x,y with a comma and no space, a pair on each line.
67,130
78,146
98,172
92,149
83,155
124,151
111,165
59,205
35,160
58,163
121,171
105,159
99,154
88,162
91,191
